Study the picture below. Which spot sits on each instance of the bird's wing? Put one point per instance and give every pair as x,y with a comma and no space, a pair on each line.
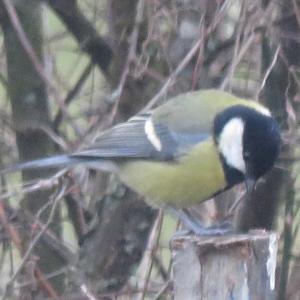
165,133
143,137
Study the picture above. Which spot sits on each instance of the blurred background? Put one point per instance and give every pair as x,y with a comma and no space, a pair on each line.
70,69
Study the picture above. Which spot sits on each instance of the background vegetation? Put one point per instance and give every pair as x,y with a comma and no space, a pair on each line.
68,70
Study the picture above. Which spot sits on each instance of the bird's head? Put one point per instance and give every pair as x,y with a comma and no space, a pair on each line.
248,140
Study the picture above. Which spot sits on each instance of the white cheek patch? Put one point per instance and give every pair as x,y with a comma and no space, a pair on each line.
151,135
231,144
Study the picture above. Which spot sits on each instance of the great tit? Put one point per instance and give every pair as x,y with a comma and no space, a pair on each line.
187,150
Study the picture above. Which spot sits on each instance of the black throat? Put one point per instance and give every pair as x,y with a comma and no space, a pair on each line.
232,175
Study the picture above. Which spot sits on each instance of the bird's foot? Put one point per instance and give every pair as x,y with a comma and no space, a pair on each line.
193,225
217,229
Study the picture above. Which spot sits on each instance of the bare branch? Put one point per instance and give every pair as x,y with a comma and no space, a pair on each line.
88,38
28,252
172,77
268,72
13,16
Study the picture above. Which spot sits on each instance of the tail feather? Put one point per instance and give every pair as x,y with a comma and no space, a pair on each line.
63,161
44,163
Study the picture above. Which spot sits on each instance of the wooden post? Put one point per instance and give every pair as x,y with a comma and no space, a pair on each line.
230,267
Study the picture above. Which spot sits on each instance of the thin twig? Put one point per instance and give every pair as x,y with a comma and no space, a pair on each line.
55,137
237,43
116,96
42,184
268,72
297,12
37,237
13,16
72,93
45,284
172,78
236,203
200,57
18,244
151,248
87,292
10,229
238,59
162,290
53,274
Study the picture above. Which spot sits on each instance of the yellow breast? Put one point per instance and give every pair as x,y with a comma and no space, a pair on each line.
195,177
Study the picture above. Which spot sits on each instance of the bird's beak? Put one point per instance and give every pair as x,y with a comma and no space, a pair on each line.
250,185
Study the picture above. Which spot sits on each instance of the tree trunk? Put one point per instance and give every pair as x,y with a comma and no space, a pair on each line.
234,266
30,111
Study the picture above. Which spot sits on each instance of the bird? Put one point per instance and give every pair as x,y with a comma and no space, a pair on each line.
189,149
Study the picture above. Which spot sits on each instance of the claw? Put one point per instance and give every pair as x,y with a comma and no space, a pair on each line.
194,226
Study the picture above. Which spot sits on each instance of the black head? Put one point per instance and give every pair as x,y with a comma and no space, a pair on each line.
248,141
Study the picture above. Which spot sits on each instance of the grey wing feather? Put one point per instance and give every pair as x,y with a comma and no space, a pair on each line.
129,140
124,140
